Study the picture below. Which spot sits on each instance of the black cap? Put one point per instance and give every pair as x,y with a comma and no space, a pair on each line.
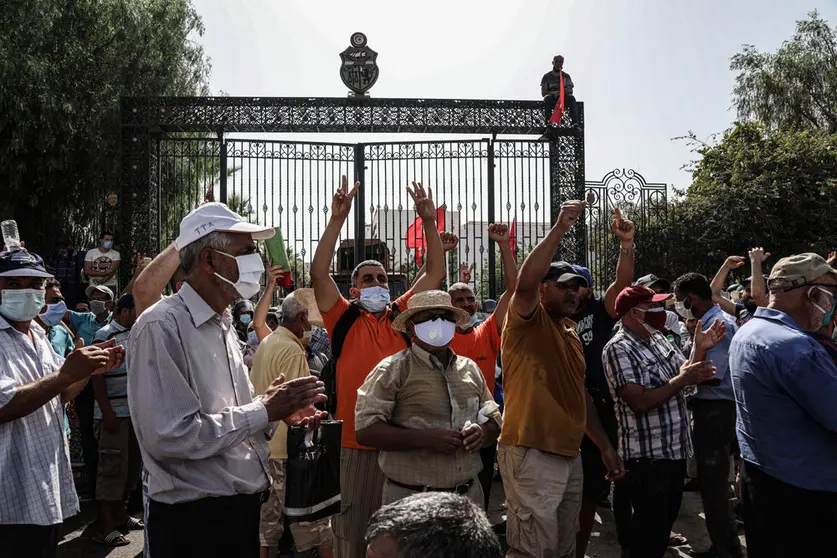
22,263
562,272
125,301
652,281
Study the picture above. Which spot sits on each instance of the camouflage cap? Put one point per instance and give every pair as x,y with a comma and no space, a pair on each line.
798,271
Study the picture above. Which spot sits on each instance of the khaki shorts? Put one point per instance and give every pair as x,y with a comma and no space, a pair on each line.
307,535
120,462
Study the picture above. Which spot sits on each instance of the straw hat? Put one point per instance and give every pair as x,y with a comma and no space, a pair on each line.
307,299
429,300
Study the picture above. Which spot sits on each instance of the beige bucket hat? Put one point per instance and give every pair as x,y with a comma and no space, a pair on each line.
429,300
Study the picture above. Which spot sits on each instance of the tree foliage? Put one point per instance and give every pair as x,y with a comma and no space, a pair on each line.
794,87
63,68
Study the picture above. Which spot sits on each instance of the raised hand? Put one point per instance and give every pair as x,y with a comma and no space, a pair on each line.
465,273
499,232
758,255
570,213
832,258
705,340
341,204
425,207
449,241
734,262
275,274
140,264
622,228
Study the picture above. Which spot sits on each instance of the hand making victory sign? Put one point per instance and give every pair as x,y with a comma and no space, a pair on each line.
342,202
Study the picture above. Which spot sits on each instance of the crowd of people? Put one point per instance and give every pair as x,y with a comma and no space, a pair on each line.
580,394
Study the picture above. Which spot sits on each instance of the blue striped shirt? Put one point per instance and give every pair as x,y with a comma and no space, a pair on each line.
116,381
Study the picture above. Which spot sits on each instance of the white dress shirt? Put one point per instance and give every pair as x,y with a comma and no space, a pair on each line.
200,432
36,482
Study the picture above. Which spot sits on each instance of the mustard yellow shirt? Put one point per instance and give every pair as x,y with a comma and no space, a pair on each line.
281,352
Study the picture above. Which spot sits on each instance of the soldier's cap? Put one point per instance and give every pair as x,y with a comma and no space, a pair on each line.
797,271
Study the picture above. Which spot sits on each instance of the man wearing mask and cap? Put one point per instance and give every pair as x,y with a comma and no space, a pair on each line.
38,493
202,435
647,377
753,288
594,321
785,387
361,337
282,353
547,410
242,313
426,409
675,330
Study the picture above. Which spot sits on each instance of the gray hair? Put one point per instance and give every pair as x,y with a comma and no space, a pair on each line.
190,255
291,307
459,287
436,524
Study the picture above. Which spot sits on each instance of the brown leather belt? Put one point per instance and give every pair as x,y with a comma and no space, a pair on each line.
461,489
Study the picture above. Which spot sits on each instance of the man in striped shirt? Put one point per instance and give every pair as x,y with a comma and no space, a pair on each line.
119,457
647,377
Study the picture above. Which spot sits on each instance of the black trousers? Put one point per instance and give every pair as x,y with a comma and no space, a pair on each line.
655,490
222,527
31,541
785,521
486,476
569,105
714,440
89,445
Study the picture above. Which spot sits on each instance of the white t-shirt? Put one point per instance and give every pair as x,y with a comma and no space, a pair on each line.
102,261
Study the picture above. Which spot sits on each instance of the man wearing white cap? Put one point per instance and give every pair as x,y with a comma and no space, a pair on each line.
37,491
202,435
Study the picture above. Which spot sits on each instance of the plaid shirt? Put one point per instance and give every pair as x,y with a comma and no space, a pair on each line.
319,342
663,432
65,268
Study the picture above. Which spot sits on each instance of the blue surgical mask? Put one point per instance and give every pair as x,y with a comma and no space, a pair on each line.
54,313
107,244
245,319
22,305
374,299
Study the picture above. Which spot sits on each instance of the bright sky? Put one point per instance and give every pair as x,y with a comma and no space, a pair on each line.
647,70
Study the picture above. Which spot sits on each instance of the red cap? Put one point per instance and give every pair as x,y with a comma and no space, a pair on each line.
631,296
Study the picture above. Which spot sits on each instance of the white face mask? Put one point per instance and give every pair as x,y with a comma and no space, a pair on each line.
250,271
436,333
374,299
685,313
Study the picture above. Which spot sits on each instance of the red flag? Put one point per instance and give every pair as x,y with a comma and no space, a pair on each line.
415,234
513,239
558,113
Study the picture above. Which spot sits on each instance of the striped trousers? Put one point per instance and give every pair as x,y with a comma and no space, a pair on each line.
361,485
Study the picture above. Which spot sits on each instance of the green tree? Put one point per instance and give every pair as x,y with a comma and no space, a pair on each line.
794,87
63,68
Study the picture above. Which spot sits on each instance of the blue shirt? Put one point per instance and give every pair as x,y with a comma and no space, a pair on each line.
719,355
116,381
61,340
85,325
785,392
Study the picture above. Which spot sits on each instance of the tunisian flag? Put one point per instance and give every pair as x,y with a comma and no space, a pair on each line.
415,234
559,106
513,239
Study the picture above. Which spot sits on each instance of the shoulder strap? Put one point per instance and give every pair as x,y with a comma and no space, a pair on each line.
394,312
342,327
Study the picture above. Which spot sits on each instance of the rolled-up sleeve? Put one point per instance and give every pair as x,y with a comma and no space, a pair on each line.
165,410
376,397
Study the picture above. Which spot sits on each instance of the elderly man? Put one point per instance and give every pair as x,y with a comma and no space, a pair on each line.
427,410
433,524
37,492
713,412
785,390
647,376
282,353
361,336
547,409
202,436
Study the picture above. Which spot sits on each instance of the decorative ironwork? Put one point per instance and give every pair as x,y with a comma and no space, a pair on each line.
355,115
644,203
359,67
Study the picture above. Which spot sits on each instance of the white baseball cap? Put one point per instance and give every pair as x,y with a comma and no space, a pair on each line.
212,217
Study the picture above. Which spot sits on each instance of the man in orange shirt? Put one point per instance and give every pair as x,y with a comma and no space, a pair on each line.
482,343
369,340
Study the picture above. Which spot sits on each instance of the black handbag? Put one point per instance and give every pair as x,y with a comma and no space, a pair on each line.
312,475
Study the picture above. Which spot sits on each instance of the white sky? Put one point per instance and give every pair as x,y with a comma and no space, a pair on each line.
647,70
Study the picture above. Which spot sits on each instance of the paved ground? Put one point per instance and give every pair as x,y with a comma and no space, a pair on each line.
77,542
